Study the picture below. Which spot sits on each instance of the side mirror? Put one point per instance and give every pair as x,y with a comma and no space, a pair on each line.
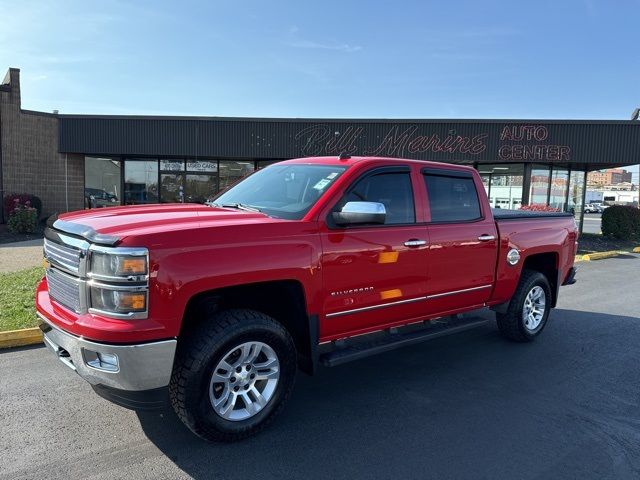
360,213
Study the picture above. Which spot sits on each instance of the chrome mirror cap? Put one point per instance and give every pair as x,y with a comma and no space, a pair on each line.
360,213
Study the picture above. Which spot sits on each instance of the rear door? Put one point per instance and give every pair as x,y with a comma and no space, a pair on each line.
375,275
463,241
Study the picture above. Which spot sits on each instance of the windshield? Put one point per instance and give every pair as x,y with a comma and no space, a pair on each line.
283,191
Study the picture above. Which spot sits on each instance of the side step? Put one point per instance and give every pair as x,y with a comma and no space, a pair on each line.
390,341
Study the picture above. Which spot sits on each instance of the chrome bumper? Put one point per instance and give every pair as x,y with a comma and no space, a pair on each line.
124,367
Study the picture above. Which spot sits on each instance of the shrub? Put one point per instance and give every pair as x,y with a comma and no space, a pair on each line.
539,207
23,218
23,198
621,222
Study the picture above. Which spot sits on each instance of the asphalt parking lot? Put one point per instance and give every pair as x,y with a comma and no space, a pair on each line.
592,223
466,406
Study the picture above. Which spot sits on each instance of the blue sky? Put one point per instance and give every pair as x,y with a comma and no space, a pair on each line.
489,59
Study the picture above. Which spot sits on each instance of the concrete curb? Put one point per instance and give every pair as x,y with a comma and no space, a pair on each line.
598,256
19,338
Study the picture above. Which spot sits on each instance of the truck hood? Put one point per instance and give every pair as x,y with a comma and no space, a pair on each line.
110,225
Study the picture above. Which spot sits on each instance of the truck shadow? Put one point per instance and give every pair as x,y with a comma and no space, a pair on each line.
452,407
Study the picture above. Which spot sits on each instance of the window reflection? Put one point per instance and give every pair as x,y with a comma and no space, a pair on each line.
558,190
576,193
539,189
102,182
200,188
231,172
172,187
141,182
503,184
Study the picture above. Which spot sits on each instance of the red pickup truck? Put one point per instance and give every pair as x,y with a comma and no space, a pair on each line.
308,261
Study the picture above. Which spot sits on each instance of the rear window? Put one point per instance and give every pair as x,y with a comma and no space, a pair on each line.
452,199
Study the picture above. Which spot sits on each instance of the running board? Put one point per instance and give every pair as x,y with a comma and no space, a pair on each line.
390,341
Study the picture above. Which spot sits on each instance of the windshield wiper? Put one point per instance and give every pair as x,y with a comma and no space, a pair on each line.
239,206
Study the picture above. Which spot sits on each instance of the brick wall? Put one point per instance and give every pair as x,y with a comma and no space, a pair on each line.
30,159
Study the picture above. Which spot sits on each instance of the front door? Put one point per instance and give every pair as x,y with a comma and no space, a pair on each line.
374,275
463,242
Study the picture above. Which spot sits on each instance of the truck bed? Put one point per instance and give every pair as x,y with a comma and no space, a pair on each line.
505,214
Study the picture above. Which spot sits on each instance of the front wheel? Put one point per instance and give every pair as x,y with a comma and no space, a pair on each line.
232,375
528,310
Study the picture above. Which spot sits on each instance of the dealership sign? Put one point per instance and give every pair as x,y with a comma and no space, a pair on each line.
529,142
516,142
400,140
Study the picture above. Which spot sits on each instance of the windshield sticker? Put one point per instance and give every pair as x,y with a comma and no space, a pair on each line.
333,175
321,184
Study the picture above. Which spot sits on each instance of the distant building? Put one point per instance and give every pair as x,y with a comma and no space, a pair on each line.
610,176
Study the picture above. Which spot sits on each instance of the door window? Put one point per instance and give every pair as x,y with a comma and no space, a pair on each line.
452,199
393,190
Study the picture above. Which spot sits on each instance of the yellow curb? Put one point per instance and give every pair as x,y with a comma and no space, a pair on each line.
600,255
18,338
636,250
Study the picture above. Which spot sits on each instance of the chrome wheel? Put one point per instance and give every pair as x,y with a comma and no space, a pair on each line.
244,381
534,308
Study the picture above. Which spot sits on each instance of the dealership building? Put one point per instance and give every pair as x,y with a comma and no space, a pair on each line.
86,161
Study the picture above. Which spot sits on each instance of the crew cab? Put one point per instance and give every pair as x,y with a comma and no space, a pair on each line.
307,262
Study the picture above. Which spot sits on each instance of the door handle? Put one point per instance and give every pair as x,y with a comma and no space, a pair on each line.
486,238
414,242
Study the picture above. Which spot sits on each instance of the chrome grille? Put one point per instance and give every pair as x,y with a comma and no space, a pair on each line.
64,289
62,255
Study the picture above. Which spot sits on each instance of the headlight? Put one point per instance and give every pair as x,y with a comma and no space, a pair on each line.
118,265
122,302
119,281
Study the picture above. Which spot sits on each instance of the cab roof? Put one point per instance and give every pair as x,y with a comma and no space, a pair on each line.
336,160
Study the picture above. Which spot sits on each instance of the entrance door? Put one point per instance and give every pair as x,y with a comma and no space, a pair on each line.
374,275
463,242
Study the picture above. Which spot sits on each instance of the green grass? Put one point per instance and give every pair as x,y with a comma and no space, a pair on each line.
17,293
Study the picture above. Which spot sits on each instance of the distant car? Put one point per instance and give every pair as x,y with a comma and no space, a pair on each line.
593,208
95,198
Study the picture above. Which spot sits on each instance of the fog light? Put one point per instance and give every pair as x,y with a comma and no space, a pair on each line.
107,362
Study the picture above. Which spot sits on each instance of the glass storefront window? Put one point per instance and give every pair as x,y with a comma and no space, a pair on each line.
558,190
200,188
140,182
576,193
101,182
539,190
231,172
503,183
171,187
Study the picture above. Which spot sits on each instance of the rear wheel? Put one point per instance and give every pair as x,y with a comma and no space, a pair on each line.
232,375
528,310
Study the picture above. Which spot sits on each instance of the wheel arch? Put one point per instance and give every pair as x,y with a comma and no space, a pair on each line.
548,264
283,300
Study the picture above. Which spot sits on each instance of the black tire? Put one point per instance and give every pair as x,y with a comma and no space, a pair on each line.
511,323
200,352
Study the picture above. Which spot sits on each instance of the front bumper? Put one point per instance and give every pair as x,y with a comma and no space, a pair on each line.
134,367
